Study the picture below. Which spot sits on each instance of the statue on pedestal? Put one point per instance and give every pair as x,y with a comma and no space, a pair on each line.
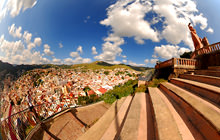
197,41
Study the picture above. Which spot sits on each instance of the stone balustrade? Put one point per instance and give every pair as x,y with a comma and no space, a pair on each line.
208,49
184,63
177,63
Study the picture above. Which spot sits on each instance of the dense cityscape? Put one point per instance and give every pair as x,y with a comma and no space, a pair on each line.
54,89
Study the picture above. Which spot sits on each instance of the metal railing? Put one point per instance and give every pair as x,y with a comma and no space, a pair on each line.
17,126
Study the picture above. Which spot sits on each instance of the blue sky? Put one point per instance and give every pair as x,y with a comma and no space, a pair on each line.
135,32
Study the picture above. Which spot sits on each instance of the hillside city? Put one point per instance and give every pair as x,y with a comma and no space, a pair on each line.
54,89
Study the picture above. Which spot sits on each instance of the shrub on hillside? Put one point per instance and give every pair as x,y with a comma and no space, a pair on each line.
120,91
141,88
155,82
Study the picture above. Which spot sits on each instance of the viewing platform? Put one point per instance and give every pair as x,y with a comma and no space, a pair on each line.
207,49
178,63
201,59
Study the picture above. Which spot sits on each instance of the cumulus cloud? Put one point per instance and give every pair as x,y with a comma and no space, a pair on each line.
60,45
79,49
10,49
22,51
14,31
77,60
124,61
56,61
135,64
110,49
37,41
47,50
94,52
27,36
153,61
126,18
123,56
169,51
14,7
31,46
146,61
16,52
210,30
177,14
68,61
74,54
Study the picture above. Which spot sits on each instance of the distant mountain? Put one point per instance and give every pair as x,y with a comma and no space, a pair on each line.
16,70
105,65
4,66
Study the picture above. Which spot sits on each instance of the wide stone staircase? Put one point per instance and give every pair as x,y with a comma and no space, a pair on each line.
185,108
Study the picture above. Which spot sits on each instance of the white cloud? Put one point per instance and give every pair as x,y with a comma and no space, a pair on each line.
27,36
110,49
210,30
86,60
153,61
68,61
177,14
124,61
123,56
47,50
74,54
31,46
14,31
94,50
169,51
56,61
14,7
79,49
10,49
126,18
15,52
154,56
77,60
37,41
135,64
146,61
60,45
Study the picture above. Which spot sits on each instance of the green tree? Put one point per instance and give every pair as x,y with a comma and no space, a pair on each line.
106,72
186,55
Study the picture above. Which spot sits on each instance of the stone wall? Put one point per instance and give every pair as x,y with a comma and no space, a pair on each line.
206,60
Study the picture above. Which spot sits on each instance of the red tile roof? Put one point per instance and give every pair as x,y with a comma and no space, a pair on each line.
90,92
102,90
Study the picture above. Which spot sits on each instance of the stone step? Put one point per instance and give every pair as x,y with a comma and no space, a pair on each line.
166,127
117,124
208,72
215,68
99,128
204,115
135,125
206,91
182,127
202,78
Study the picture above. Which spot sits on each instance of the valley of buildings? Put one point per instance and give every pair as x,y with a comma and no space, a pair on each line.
54,89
